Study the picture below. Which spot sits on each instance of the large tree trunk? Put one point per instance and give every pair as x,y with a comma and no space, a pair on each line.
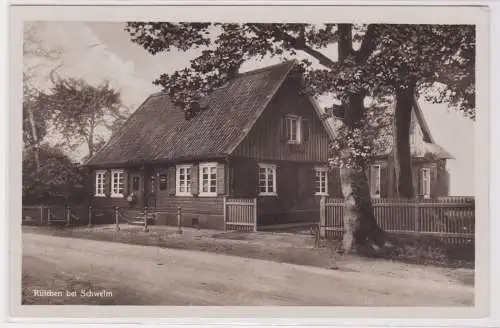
401,135
34,135
361,229
360,226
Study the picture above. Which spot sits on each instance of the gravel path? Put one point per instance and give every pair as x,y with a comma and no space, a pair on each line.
160,276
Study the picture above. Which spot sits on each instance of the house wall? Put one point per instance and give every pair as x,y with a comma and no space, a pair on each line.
205,212
295,183
439,178
266,140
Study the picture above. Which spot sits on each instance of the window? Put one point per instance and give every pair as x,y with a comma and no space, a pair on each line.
321,181
135,183
163,182
99,183
267,179
425,179
208,179
117,183
293,129
375,181
183,180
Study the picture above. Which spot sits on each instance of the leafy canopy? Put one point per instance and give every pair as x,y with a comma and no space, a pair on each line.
373,60
79,108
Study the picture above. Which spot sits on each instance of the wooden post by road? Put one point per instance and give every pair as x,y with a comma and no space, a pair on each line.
68,216
179,220
41,215
322,217
146,219
90,216
117,225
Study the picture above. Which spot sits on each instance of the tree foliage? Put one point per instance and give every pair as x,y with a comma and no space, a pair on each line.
374,60
58,180
389,56
78,109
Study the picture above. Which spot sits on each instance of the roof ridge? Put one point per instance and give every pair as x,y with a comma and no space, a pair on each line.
266,68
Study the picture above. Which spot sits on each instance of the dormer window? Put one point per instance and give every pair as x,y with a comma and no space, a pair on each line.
293,129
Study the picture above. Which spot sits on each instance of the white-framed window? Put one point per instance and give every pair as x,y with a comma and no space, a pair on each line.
375,181
267,180
208,179
99,183
117,183
425,180
293,129
321,181
183,180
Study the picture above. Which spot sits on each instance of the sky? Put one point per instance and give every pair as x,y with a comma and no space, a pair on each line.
103,51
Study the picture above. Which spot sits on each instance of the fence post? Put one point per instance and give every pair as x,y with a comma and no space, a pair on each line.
322,217
179,220
41,214
68,216
416,212
49,214
90,216
117,225
146,229
224,200
255,214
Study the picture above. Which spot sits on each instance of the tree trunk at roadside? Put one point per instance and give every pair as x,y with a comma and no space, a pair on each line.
401,135
361,229
360,226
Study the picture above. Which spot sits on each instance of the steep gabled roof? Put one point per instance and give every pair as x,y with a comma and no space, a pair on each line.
426,147
158,130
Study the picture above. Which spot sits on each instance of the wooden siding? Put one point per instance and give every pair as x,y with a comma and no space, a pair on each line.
295,200
265,138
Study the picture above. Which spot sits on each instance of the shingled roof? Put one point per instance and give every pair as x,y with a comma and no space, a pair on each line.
158,130
426,147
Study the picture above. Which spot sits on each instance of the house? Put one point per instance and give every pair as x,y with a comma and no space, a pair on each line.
258,137
430,176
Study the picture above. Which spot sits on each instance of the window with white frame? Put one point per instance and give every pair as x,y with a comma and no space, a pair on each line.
321,181
425,180
293,129
183,180
99,183
208,179
375,181
117,183
267,179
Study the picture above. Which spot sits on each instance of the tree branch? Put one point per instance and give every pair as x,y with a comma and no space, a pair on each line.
368,45
298,43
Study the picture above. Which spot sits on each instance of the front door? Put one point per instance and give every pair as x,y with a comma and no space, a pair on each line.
150,189
136,186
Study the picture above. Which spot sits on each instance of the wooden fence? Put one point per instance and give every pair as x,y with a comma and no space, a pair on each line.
240,214
451,218
55,215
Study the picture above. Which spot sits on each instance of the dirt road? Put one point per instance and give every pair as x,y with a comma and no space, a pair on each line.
117,273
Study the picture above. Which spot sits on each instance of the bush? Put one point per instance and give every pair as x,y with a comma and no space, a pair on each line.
59,179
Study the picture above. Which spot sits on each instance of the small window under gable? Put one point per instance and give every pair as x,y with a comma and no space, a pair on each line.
375,181
117,183
267,180
183,180
293,129
99,183
208,179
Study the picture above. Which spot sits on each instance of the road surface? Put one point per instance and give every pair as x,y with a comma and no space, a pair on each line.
117,273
